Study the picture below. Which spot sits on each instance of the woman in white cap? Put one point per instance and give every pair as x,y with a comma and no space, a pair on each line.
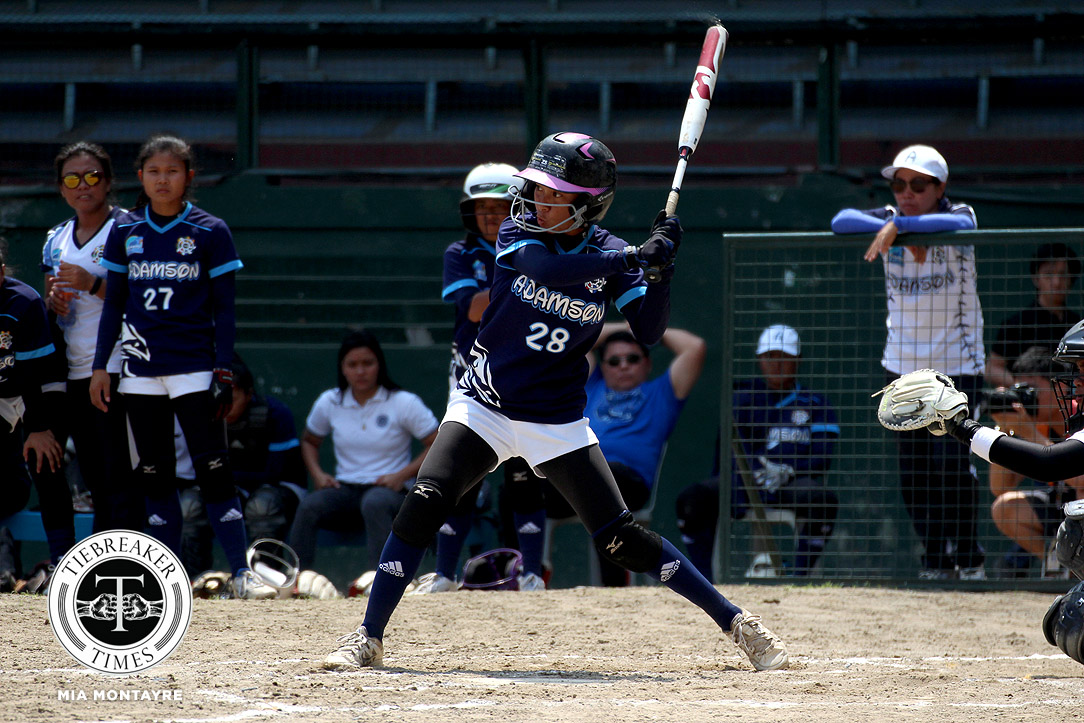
934,321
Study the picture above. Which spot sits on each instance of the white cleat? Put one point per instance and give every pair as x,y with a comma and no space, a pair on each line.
356,650
434,582
247,586
529,582
764,649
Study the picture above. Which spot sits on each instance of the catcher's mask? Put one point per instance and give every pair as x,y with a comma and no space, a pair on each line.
1069,385
274,562
494,570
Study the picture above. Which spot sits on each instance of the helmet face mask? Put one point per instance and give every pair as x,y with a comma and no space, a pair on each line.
571,163
524,203
1069,386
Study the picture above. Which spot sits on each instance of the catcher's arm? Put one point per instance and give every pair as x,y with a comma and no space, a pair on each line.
927,399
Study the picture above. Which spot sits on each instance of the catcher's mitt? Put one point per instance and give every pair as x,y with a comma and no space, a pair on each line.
924,398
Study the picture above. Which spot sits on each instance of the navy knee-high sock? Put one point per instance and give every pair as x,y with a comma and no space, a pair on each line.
530,530
228,522
700,547
164,520
680,575
399,561
450,539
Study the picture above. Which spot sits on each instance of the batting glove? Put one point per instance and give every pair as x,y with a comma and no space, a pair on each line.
772,475
662,245
222,392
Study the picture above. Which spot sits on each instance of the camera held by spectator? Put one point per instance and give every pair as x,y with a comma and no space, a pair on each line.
1003,398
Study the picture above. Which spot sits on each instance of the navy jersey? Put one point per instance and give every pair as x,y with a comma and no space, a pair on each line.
264,448
529,361
25,341
169,309
795,427
468,269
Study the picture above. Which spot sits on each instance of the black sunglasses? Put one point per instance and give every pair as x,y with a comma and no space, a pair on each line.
615,361
91,178
918,184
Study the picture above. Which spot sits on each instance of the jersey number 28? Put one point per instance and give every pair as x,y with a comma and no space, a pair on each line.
556,343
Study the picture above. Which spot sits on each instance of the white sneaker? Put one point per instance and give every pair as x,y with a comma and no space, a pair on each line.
432,582
247,586
973,573
357,650
761,566
530,582
764,649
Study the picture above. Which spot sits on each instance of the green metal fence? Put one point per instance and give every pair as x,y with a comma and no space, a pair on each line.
819,284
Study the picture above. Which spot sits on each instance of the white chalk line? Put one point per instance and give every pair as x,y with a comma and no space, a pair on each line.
556,676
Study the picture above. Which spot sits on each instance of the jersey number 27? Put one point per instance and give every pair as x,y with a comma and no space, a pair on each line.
151,298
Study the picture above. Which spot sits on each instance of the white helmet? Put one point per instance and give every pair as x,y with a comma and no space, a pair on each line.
489,180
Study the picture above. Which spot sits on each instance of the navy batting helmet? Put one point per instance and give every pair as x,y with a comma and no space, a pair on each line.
571,163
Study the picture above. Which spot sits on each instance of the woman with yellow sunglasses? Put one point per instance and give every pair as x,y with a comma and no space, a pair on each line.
75,283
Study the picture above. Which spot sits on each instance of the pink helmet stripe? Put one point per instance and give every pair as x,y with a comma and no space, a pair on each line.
568,137
545,179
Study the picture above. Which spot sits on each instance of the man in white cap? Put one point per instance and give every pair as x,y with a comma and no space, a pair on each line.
788,435
934,321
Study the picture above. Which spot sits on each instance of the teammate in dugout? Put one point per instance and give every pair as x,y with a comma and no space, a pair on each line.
926,398
788,434
31,398
75,285
468,274
171,285
265,457
523,394
934,320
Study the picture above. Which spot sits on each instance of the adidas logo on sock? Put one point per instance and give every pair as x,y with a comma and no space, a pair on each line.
669,570
528,528
232,515
393,567
156,521
447,529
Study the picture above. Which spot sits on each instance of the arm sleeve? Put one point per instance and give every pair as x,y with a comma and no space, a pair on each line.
462,298
223,291
851,220
458,276
116,298
1046,464
649,314
38,366
933,222
552,269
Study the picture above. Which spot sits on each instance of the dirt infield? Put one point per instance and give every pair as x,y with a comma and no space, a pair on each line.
574,656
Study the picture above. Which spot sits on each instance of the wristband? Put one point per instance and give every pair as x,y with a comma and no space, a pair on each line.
96,285
984,439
